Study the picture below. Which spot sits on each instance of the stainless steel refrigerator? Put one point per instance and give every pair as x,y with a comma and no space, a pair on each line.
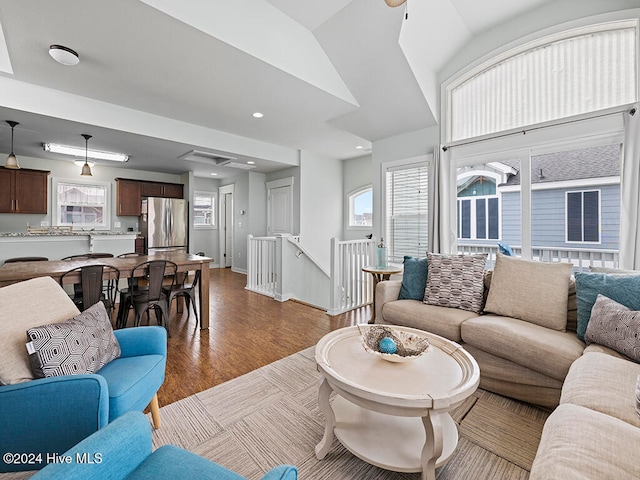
163,224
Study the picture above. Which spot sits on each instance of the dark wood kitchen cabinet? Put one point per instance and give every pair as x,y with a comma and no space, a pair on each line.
157,189
129,193
23,190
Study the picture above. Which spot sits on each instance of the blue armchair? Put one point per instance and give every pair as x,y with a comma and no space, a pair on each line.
50,415
122,450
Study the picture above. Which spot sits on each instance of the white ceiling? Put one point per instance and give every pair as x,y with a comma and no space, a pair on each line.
158,78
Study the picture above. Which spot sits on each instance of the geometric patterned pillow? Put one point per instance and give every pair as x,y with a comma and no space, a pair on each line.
615,326
456,281
82,344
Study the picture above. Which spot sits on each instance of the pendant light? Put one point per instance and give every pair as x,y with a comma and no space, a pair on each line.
12,161
86,169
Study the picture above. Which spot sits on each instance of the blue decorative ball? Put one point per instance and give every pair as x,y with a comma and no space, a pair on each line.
387,345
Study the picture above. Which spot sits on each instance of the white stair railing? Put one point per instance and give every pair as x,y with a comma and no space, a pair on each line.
261,265
270,260
350,286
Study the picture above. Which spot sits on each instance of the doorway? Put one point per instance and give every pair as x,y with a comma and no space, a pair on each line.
280,206
226,225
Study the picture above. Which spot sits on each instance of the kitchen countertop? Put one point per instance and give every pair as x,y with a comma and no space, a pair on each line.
67,234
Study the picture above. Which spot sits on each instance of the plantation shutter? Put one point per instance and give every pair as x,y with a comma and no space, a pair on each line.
406,212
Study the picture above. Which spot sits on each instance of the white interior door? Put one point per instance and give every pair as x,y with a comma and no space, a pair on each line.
228,229
225,194
280,215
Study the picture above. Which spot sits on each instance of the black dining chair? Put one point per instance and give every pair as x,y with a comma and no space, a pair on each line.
88,256
26,259
186,290
159,274
125,294
94,283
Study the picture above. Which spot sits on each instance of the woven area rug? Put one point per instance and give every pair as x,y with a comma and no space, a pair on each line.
271,416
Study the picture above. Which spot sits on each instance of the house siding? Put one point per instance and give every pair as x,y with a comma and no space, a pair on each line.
548,218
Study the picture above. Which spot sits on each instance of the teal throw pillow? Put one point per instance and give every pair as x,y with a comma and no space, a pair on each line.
414,279
505,249
624,289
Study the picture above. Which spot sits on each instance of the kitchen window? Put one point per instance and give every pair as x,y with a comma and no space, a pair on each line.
81,205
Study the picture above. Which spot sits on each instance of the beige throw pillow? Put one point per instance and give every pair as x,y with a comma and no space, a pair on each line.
533,291
22,306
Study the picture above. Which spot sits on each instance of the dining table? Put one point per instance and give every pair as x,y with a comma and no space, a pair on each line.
185,262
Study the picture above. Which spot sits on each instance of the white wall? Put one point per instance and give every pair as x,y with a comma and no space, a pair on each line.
320,205
357,173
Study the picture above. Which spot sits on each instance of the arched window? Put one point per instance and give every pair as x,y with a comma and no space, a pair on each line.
361,207
574,72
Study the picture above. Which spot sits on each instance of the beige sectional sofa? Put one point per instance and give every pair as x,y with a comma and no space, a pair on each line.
517,358
594,429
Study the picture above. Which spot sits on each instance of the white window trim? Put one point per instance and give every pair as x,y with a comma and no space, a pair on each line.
566,217
74,181
350,206
214,214
385,167
472,213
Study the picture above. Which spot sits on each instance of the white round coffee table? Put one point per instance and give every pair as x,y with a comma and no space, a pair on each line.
393,415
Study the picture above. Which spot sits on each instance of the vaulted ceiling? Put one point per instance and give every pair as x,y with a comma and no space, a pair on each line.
159,78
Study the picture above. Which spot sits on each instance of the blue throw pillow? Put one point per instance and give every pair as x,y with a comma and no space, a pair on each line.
414,279
624,289
505,249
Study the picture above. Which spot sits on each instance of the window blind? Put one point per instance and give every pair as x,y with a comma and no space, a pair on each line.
576,75
406,212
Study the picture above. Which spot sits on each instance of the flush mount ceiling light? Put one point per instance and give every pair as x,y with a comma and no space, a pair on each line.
64,55
80,152
258,114
86,169
12,161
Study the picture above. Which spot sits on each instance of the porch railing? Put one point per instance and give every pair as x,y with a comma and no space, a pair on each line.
581,258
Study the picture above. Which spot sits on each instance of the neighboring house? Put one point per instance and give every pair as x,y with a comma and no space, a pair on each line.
575,200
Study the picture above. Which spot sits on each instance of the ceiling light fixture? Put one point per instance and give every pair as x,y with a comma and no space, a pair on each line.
12,161
394,3
80,152
214,174
64,55
251,162
258,115
80,163
86,169
359,147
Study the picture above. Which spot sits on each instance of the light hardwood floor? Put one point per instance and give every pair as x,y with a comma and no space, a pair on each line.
247,331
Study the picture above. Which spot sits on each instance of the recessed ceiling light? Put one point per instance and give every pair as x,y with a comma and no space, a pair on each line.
258,114
359,147
214,174
64,55
251,162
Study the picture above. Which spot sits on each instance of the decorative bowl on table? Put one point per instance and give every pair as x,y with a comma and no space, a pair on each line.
391,344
